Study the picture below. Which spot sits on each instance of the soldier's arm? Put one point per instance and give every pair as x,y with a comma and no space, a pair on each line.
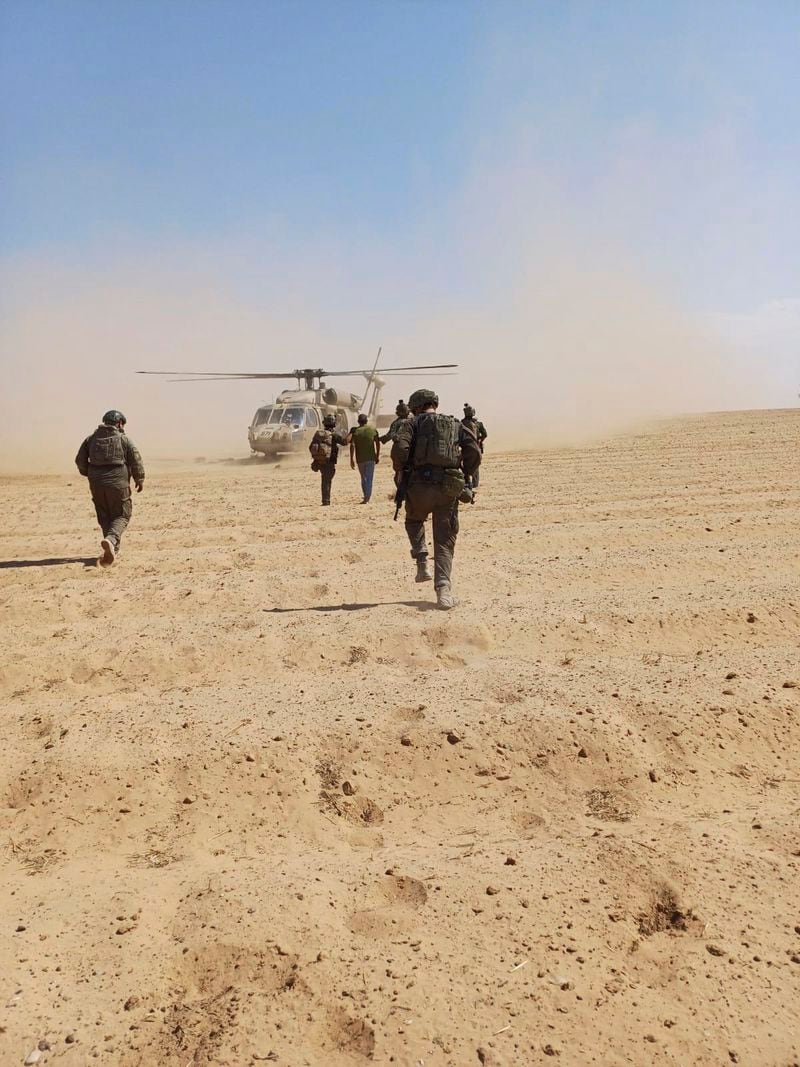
313,441
470,451
82,459
134,460
401,446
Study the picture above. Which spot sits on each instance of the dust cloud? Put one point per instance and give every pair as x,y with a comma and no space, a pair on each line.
555,343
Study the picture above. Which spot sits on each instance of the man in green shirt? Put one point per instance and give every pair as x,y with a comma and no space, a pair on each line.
365,450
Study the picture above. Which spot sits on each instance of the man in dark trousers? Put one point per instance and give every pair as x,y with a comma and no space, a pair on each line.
109,459
324,449
433,456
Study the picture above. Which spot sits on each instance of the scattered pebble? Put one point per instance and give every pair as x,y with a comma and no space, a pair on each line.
652,775
492,891
582,753
33,1057
790,685
715,950
454,737
348,789
188,800
405,740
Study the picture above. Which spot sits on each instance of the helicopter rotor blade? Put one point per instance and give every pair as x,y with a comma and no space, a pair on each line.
387,370
221,376
247,377
203,375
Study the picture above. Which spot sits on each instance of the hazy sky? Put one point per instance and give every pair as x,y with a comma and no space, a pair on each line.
362,171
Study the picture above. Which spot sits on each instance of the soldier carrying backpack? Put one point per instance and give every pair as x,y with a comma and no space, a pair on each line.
433,455
324,449
109,459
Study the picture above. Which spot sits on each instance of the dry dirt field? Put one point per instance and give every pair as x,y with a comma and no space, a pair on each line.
260,803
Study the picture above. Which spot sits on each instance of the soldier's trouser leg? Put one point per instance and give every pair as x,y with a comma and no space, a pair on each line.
328,472
113,507
445,532
418,508
476,478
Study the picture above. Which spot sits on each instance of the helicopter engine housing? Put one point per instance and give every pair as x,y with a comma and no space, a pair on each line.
338,398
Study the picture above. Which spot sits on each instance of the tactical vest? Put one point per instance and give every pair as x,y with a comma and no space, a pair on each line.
321,448
106,450
436,441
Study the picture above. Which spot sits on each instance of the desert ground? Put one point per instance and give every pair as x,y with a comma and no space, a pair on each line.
260,802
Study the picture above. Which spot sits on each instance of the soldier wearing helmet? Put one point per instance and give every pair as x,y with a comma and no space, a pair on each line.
433,454
109,459
402,413
324,449
473,423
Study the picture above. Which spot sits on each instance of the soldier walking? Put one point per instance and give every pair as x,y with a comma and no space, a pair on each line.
432,455
473,423
324,449
401,413
109,459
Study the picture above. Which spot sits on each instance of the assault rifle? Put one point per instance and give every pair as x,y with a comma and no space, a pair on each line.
402,491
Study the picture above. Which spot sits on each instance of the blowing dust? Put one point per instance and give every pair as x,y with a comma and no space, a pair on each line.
559,350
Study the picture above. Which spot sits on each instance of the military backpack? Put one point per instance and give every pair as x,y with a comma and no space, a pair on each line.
321,448
106,451
436,441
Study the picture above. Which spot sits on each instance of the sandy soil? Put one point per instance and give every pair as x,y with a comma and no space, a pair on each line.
260,803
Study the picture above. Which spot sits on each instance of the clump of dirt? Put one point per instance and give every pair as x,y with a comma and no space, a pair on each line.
665,915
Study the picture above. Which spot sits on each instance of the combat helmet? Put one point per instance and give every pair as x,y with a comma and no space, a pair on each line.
469,411
422,398
329,422
112,417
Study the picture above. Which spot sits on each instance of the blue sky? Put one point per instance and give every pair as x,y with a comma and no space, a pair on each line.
372,160
186,120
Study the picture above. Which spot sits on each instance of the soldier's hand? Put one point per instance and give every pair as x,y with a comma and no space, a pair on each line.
139,487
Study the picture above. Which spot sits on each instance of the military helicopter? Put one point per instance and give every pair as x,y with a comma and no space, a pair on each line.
288,424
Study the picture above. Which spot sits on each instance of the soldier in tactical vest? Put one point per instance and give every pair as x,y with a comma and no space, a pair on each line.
109,459
432,455
324,449
473,423
402,413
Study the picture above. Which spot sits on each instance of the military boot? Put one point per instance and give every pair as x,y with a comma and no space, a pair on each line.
445,598
423,570
107,546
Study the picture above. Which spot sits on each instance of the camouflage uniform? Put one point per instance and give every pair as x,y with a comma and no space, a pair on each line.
328,469
391,433
474,424
427,494
109,459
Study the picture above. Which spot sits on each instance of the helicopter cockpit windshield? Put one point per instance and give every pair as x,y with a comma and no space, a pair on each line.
296,418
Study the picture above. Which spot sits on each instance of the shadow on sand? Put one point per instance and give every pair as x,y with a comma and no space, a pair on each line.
11,564
420,605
